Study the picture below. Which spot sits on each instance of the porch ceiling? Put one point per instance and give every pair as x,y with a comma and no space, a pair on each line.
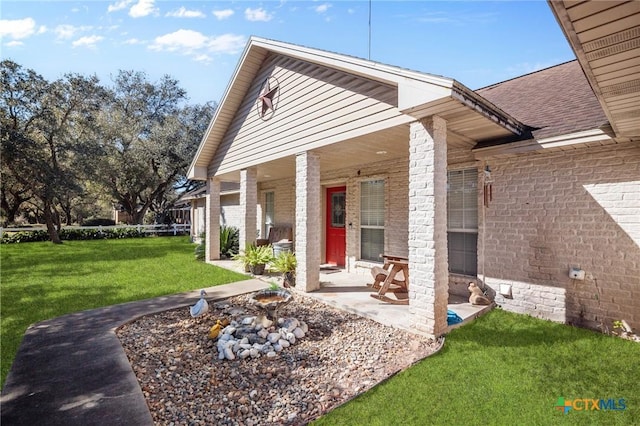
385,145
605,36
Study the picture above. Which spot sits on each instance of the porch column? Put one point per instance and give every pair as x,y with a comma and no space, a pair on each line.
212,224
428,258
308,221
248,206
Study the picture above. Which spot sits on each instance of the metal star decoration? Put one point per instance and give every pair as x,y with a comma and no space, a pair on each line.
267,101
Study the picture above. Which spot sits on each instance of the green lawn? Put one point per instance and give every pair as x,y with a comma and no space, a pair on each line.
39,281
503,368
507,369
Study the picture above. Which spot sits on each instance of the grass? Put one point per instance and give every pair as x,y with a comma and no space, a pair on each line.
501,369
40,281
506,369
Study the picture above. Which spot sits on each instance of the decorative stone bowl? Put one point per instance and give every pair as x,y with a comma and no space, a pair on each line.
271,300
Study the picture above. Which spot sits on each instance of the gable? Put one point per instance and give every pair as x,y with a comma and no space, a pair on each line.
315,106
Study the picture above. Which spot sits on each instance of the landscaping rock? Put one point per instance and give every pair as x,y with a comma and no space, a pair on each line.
339,356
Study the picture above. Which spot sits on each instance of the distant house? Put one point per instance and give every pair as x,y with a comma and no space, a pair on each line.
529,187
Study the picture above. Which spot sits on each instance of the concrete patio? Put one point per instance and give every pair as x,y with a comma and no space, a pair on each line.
349,292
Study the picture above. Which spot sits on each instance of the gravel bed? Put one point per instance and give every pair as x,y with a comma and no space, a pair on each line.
341,356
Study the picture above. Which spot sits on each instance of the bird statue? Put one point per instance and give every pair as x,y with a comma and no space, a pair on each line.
201,306
215,330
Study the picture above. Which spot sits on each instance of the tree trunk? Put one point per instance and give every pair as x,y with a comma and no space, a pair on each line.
49,221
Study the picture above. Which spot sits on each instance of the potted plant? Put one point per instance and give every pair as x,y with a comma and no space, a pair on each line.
285,263
255,258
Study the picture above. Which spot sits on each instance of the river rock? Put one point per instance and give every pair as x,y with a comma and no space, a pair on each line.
298,333
284,343
290,324
228,354
273,337
248,320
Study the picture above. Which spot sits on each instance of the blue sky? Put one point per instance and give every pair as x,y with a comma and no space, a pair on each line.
199,42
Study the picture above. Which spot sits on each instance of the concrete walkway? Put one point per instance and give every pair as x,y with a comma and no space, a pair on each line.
72,370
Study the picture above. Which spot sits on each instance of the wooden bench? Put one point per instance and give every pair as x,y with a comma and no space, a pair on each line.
394,272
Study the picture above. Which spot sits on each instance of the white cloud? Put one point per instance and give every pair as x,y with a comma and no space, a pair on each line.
322,8
17,28
181,39
184,13
227,43
133,41
119,5
197,45
142,8
258,14
89,41
222,14
66,31
14,43
204,58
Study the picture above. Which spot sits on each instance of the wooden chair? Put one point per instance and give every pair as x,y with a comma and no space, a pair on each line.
276,233
394,277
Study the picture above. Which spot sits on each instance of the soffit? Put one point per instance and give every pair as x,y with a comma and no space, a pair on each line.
605,36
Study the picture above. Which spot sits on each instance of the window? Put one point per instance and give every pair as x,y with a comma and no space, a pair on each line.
371,220
462,221
269,212
337,210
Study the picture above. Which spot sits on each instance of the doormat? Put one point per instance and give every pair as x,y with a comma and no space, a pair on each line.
329,269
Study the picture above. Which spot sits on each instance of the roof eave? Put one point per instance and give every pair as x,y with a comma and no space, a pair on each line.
571,140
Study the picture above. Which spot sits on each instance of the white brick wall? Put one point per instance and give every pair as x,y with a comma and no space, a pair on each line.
285,202
428,290
212,243
248,206
555,210
230,214
308,221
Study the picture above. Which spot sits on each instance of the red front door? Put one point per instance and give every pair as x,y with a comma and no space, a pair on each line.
336,217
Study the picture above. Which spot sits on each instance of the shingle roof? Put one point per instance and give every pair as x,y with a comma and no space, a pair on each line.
553,101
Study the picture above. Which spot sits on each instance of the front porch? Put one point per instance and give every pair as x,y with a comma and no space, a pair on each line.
349,292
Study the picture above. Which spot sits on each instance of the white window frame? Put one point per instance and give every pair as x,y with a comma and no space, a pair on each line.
383,211
269,212
465,210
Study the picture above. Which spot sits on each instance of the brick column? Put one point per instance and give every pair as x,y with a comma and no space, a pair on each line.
212,221
428,259
308,221
248,206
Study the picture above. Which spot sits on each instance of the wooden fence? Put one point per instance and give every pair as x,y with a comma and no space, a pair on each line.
174,229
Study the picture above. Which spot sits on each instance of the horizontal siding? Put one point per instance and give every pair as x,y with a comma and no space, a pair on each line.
315,106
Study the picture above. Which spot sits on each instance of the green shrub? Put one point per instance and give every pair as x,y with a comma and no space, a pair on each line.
24,237
71,235
229,240
200,251
98,221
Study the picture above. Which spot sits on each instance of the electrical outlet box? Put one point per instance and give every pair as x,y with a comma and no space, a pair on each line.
576,274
